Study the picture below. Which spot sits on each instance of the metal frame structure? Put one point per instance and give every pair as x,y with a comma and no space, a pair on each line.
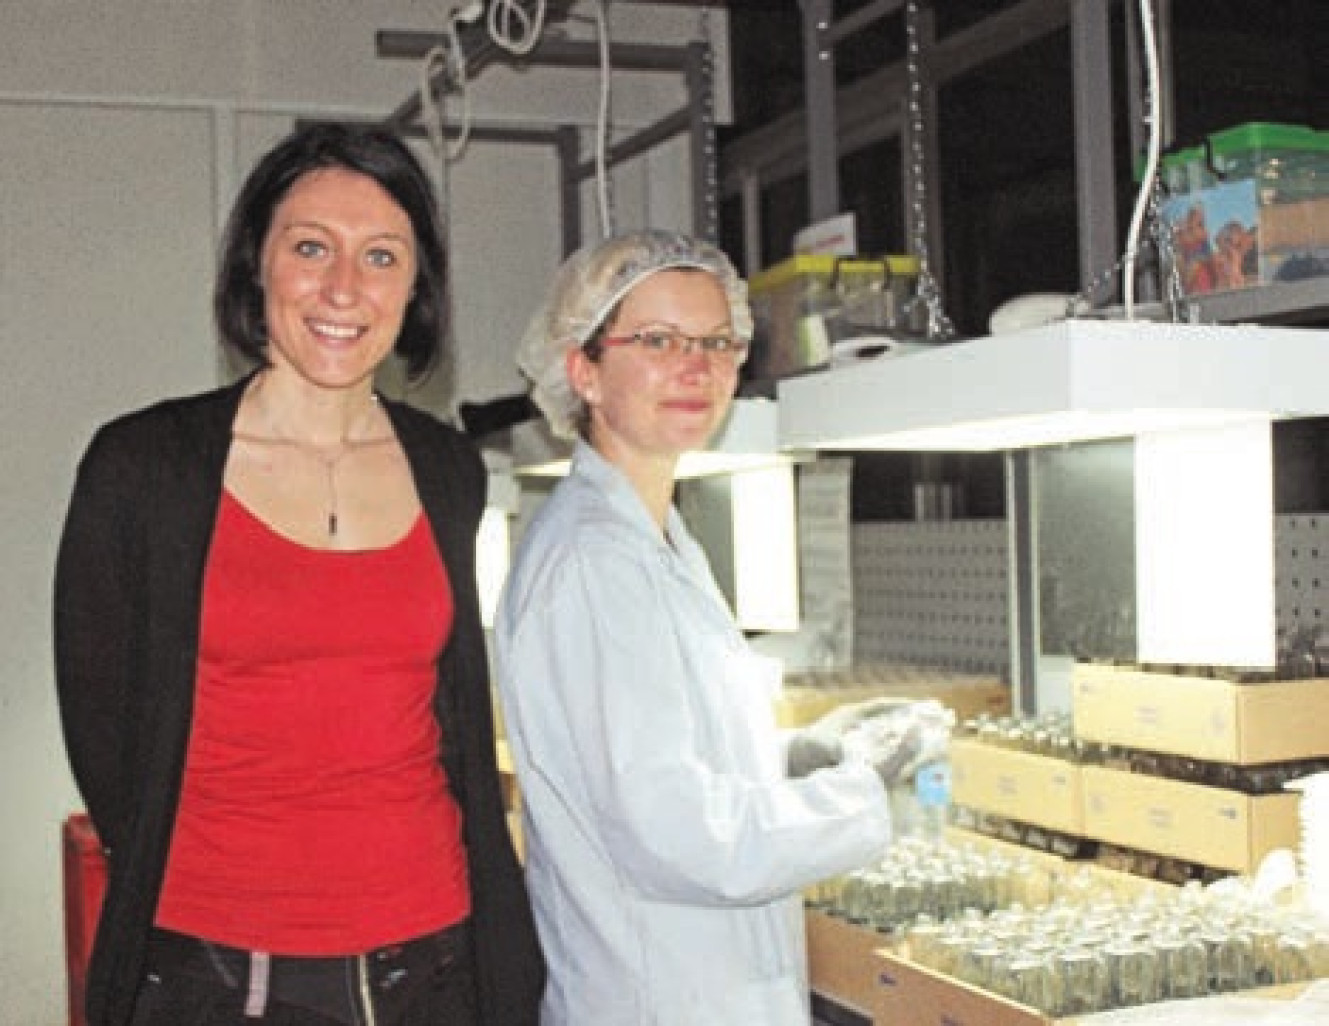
836,122
689,60
880,106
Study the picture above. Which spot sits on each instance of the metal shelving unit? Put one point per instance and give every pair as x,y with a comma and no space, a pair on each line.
694,118
834,122
1300,302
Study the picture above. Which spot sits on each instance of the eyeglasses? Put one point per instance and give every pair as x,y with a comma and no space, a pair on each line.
663,343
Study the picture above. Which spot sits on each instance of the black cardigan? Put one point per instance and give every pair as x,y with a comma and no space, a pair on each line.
128,594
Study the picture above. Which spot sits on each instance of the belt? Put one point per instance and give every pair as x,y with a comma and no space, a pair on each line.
322,984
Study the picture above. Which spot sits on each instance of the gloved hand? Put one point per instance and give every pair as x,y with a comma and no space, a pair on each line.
820,744
844,718
891,752
896,745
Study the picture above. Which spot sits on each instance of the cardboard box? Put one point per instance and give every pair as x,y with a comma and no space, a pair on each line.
869,973
912,995
1207,825
1019,785
855,968
843,963
884,987
1214,720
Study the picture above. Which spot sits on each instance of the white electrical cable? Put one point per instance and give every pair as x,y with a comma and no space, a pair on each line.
602,125
436,61
1151,116
512,28
451,61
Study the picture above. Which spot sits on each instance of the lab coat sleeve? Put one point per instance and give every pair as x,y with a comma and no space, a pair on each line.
613,724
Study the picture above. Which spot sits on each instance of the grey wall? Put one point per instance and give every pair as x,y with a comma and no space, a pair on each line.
125,127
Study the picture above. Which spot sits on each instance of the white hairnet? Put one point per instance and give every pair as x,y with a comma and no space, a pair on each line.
585,292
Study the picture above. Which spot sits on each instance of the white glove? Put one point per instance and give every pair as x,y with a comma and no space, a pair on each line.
890,748
897,744
820,744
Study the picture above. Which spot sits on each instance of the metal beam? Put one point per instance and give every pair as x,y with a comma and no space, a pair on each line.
477,45
476,42
997,35
819,113
1022,579
635,145
567,146
702,149
1095,182
863,17
480,51
549,52
781,145
497,133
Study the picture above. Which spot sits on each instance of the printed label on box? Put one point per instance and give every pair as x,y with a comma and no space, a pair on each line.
1216,238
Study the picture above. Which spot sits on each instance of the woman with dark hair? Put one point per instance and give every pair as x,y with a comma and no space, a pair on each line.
271,669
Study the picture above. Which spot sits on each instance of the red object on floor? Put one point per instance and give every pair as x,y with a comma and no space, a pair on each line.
85,886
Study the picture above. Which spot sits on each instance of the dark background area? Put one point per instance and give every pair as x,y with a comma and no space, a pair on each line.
1007,177
1006,133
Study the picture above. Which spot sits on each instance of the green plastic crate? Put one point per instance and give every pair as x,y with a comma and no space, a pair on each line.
1250,207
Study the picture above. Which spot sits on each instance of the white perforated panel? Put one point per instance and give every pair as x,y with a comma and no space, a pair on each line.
932,593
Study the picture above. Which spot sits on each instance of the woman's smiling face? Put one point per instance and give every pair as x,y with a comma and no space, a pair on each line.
660,405
338,269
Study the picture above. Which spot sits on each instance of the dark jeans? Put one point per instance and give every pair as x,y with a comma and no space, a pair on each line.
429,981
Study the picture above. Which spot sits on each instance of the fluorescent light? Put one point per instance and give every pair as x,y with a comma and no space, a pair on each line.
1065,382
1204,546
1043,429
550,468
765,548
706,461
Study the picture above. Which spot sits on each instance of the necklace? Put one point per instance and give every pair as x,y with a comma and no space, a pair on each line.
325,456
329,462
330,468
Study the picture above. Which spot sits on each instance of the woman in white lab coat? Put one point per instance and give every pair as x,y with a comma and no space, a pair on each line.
666,845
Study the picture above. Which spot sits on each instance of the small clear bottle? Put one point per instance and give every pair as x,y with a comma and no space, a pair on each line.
932,792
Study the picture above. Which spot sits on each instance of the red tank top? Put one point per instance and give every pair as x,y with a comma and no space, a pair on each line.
314,817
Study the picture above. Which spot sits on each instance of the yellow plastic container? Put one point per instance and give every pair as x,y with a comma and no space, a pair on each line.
804,305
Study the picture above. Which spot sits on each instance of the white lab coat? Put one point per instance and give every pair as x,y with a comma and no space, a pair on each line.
665,848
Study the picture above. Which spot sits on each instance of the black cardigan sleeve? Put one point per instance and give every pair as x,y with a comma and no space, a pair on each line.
95,612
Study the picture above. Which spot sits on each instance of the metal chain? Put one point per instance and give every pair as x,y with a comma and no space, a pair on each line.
1160,235
1165,247
929,292
710,227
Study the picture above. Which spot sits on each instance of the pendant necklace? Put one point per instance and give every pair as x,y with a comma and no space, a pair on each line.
330,467
328,461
